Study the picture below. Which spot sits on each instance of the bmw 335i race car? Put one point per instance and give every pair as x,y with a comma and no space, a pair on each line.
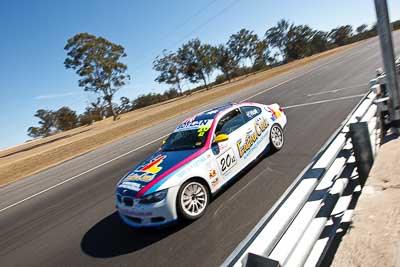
201,155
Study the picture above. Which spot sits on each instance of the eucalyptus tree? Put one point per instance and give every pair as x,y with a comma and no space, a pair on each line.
196,62
97,61
169,67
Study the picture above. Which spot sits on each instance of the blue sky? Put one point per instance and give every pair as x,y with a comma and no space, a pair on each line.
34,33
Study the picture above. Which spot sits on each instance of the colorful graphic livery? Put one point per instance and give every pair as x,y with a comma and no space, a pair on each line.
196,160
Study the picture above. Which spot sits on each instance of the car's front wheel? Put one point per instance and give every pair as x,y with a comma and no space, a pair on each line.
276,137
193,198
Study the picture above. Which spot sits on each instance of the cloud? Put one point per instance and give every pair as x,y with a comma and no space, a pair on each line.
52,96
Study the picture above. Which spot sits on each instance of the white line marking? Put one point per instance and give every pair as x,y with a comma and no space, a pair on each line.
338,89
78,175
293,78
323,101
120,156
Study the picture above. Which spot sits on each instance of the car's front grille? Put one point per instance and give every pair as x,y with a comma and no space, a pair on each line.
128,201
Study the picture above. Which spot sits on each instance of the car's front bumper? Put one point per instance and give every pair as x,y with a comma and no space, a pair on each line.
150,215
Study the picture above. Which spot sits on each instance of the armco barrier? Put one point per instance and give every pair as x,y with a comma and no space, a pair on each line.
290,233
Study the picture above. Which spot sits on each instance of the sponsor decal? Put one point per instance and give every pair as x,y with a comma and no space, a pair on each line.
252,113
215,182
212,112
193,125
260,126
222,146
193,164
275,113
147,172
212,173
131,185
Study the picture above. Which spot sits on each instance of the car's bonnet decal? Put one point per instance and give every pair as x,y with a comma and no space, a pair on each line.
157,165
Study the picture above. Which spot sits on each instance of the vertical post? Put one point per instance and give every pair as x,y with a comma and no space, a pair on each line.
385,37
362,149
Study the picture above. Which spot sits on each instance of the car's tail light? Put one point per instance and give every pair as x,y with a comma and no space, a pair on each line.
280,109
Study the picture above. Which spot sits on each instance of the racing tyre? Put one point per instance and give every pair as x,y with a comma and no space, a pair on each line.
193,198
276,138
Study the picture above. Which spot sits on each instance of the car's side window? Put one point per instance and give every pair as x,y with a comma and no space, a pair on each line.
230,122
251,112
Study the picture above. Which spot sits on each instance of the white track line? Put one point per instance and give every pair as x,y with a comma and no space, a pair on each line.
338,89
78,175
323,101
120,156
293,78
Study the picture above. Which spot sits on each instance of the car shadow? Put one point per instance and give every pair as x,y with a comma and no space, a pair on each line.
111,237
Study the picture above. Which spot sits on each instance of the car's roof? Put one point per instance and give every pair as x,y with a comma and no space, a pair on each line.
211,113
205,117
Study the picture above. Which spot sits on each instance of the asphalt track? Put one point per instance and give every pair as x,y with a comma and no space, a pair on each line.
65,216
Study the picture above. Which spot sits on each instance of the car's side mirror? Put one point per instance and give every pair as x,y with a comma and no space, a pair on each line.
163,142
221,138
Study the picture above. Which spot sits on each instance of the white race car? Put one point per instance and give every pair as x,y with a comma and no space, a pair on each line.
200,156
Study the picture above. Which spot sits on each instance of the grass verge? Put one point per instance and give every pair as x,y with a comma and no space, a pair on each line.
38,155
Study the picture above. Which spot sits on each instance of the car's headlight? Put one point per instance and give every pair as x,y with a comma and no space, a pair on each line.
154,197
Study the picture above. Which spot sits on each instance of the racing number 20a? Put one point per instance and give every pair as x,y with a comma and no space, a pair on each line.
226,161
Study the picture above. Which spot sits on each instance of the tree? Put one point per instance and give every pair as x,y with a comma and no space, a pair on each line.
126,105
396,25
93,112
34,132
196,61
169,67
66,119
319,42
97,61
243,44
261,55
341,35
361,28
153,98
47,124
225,61
276,36
297,42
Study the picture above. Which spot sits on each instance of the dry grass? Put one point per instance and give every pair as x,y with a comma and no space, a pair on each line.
35,156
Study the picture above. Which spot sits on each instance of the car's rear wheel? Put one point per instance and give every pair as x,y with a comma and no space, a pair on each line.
193,198
276,137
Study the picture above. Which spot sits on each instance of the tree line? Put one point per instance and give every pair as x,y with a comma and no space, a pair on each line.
99,65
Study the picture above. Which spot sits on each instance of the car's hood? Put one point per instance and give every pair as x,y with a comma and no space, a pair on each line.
150,169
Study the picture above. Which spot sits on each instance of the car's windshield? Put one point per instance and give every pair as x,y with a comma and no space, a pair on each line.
185,140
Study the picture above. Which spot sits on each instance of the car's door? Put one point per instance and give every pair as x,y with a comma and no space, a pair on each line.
254,142
226,155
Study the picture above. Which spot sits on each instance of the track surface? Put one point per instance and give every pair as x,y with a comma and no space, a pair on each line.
75,223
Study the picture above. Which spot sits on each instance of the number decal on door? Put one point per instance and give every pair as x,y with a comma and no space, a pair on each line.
226,161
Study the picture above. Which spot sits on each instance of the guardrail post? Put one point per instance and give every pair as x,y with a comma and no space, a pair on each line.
385,37
362,147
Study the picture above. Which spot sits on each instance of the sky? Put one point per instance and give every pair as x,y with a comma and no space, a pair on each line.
34,33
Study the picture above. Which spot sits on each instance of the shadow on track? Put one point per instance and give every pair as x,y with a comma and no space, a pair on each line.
111,237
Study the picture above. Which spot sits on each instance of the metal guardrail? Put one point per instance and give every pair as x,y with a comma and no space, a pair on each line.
290,233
